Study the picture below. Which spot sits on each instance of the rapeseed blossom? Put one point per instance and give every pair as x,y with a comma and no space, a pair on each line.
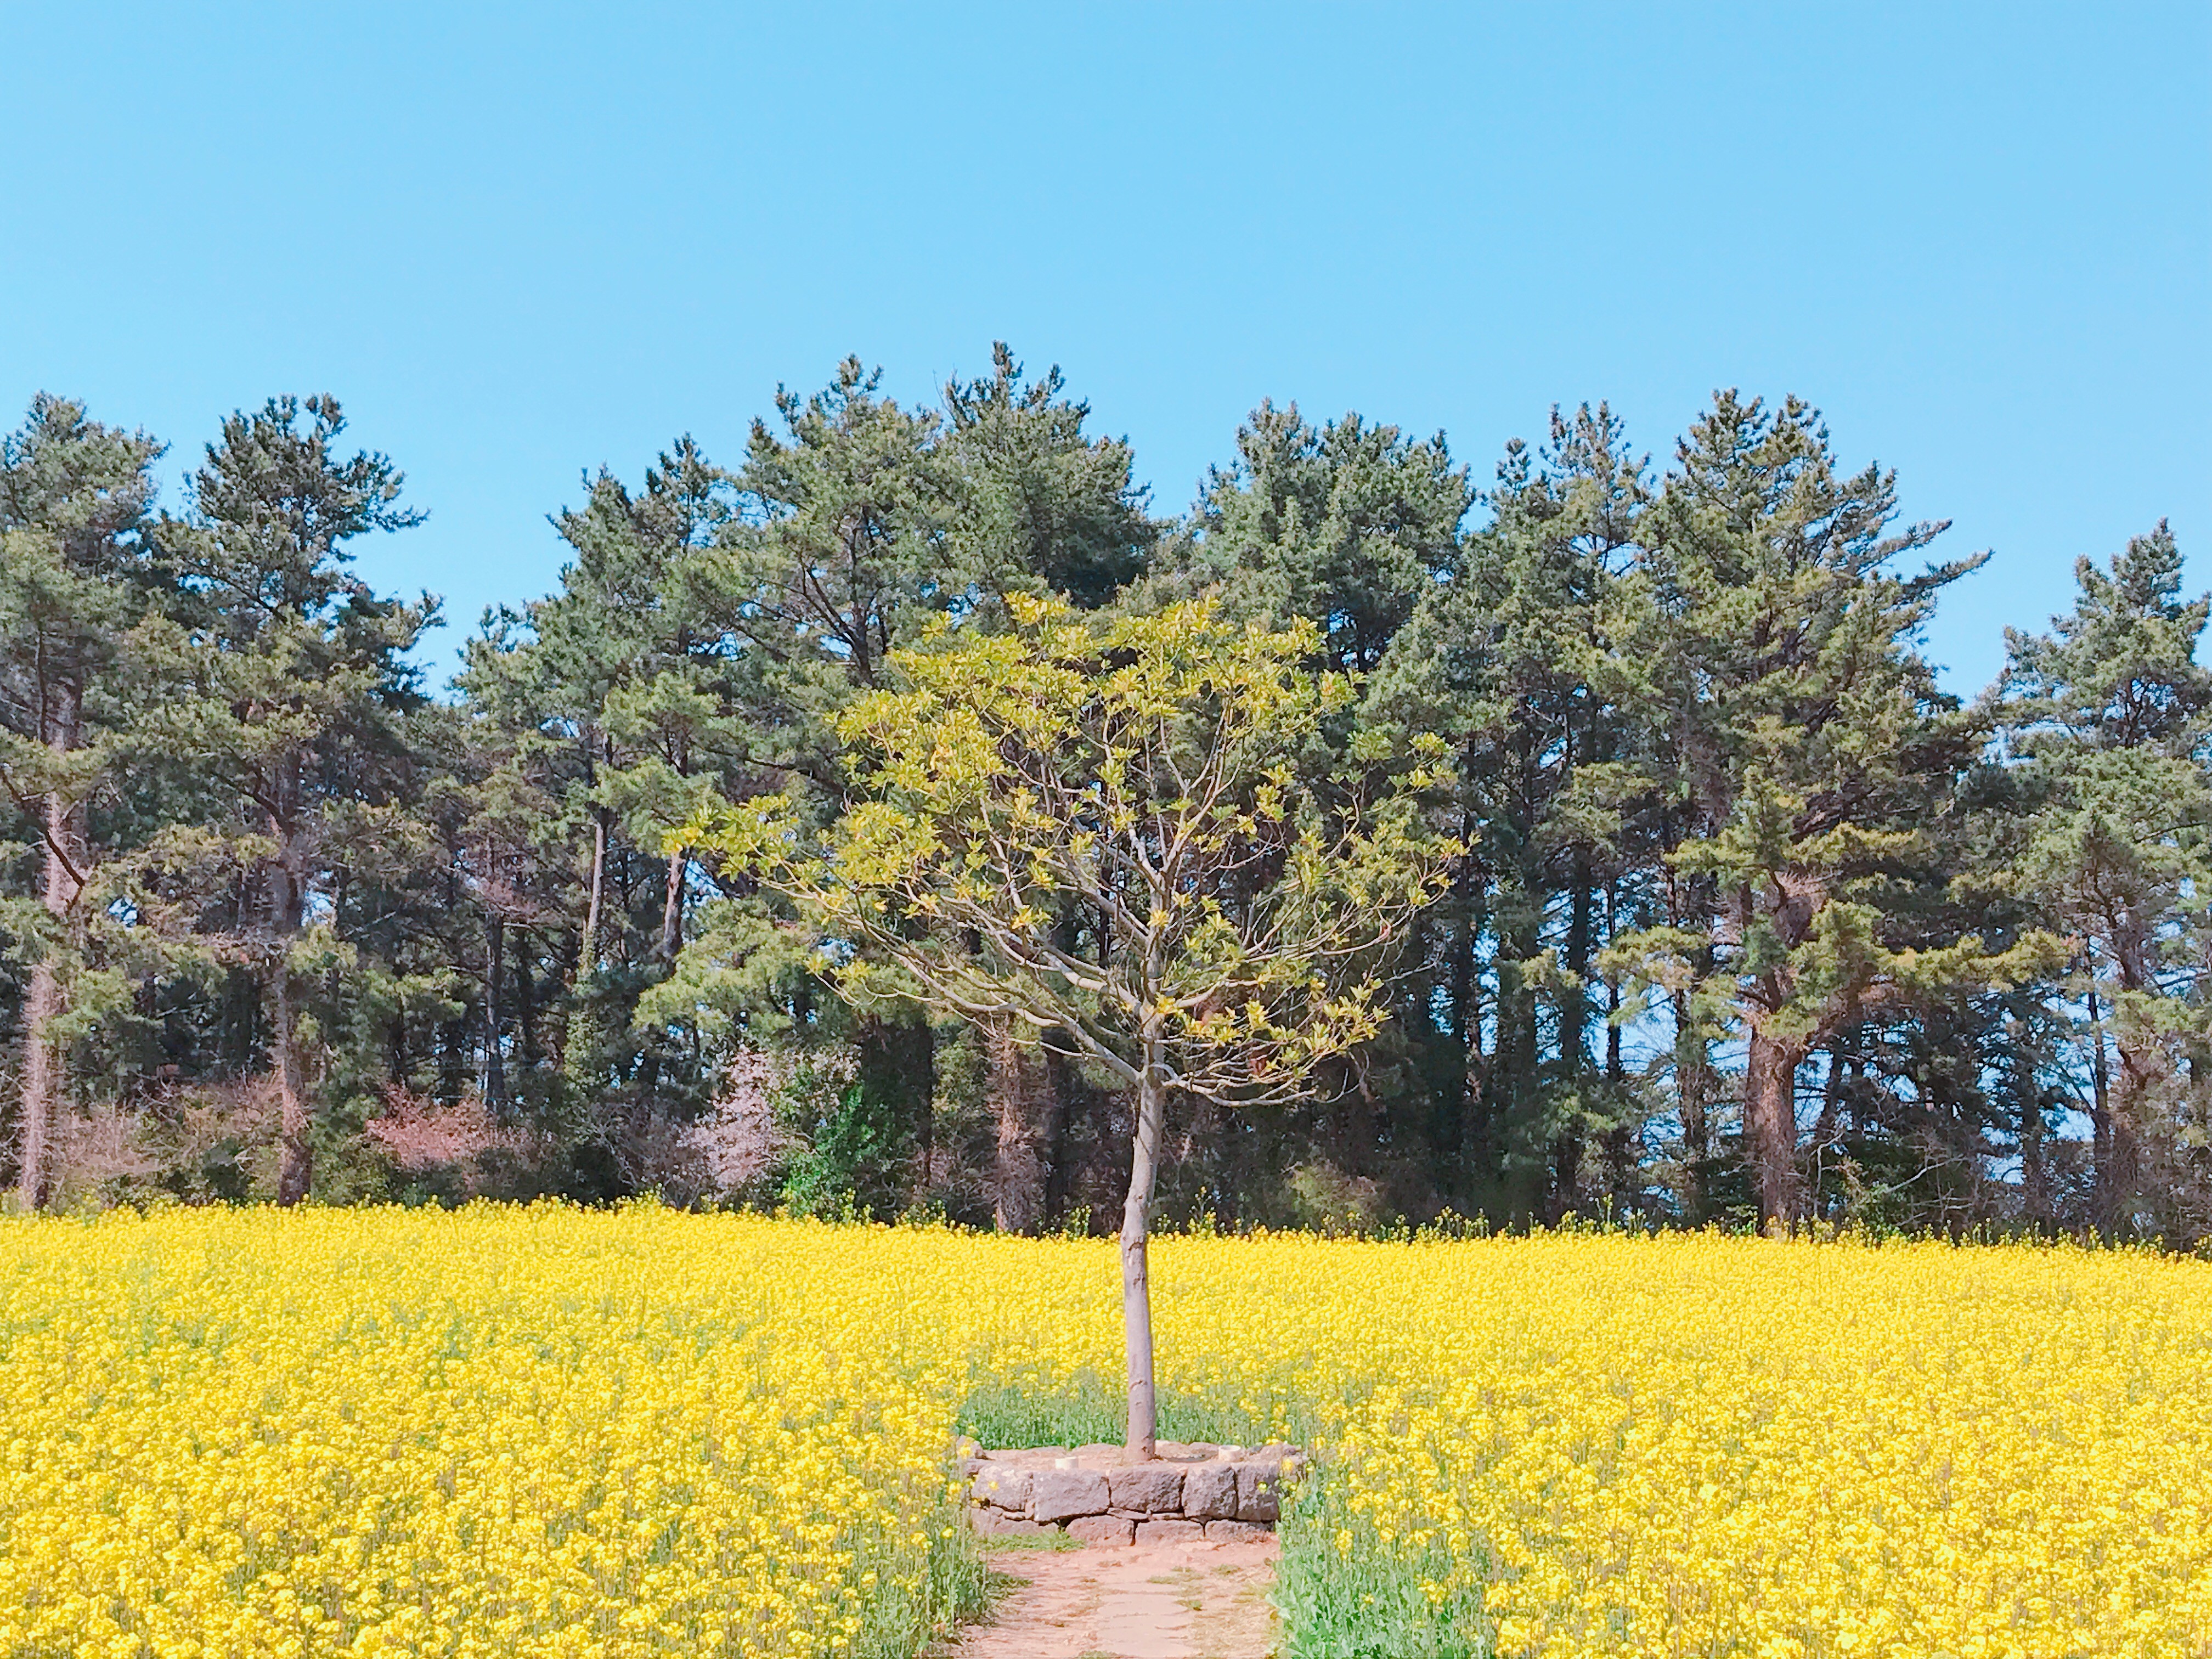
551,1432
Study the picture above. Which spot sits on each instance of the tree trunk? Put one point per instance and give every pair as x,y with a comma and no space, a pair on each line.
296,1169
526,1004
2104,1193
2145,1070
41,1081
1136,1219
1018,1077
1620,1139
1769,1110
1574,1049
672,909
1692,1079
44,1000
495,1061
587,954
2034,1174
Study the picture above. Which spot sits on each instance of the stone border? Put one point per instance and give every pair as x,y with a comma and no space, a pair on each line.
1193,1490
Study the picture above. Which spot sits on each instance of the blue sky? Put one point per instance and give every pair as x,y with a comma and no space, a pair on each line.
518,242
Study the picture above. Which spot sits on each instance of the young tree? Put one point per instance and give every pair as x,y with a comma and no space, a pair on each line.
74,575
289,683
1239,916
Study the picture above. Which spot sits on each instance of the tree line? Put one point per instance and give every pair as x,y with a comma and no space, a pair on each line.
1746,918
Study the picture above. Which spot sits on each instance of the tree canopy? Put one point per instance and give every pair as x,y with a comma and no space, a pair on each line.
832,831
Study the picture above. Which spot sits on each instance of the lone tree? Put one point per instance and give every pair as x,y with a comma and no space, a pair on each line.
1233,914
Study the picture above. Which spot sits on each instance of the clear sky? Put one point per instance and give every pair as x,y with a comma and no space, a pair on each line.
521,242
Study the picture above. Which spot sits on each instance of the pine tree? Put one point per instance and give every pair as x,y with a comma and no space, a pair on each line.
2109,715
288,682
1800,739
74,574
1506,656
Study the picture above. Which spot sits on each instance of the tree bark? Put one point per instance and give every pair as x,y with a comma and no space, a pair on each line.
672,909
587,954
1620,1139
1136,1221
1691,1082
1771,1124
297,1170
44,999
495,1061
2104,1192
42,1003
1020,1083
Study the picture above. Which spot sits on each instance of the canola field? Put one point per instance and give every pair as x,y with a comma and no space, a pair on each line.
548,1431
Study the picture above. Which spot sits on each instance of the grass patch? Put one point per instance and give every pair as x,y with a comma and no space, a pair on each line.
955,1591
1089,1410
1054,1541
1370,1601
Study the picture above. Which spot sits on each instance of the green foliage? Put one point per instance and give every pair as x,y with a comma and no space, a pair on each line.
1344,1593
1137,768
1737,915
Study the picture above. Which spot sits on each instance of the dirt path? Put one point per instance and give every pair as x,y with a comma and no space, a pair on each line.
1150,1601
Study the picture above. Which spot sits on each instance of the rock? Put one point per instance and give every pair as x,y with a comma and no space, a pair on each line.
1238,1531
1003,1487
1259,1491
1149,1488
1209,1492
965,1447
969,1466
997,1524
1167,1530
1102,1530
1063,1494
1183,1451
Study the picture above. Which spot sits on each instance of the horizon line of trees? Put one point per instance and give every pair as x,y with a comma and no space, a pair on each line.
1753,922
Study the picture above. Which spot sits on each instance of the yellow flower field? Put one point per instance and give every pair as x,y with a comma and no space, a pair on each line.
546,1430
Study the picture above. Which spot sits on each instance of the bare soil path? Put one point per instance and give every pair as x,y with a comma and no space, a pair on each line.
1194,1600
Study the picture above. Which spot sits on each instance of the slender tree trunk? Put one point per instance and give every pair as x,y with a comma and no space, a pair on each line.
297,1171
1575,1011
525,1003
1467,1034
44,1000
1620,1139
1771,1124
2104,1194
672,909
587,955
1693,1087
2145,1068
1136,1221
1018,1077
2034,1179
42,1003
495,1061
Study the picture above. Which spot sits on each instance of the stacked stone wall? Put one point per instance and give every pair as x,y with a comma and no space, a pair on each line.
1193,1490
